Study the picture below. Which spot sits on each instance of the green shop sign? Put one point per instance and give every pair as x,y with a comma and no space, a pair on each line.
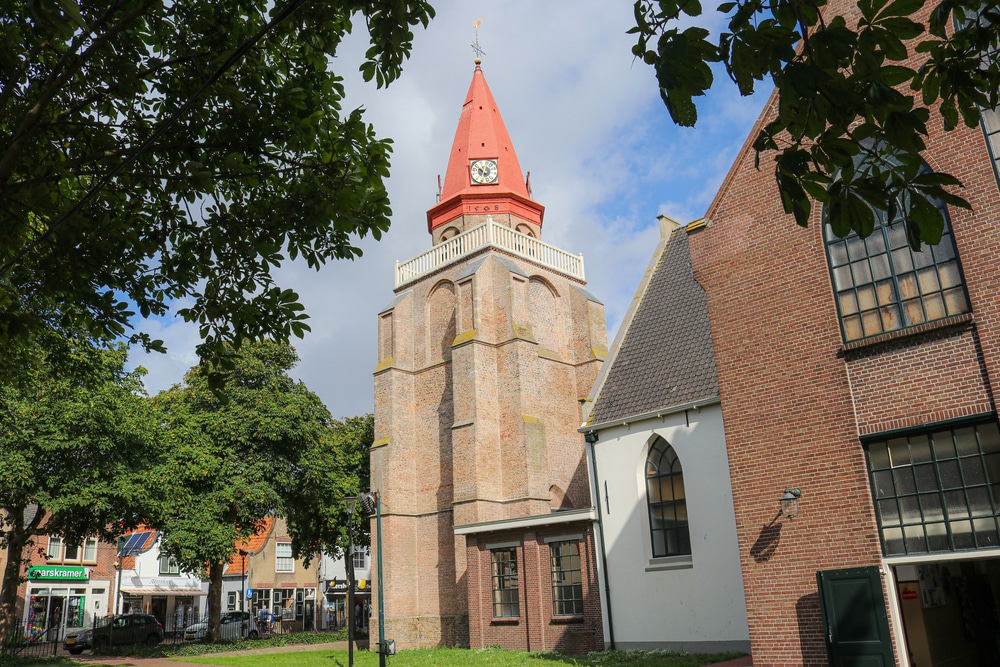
58,572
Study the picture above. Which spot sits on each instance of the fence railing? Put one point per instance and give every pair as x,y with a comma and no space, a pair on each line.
488,234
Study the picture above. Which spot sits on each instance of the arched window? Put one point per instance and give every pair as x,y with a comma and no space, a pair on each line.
668,519
882,285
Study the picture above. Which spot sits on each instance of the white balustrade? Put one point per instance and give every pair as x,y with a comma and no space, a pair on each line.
490,234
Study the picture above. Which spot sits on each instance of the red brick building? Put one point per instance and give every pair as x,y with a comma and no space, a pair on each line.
862,373
486,354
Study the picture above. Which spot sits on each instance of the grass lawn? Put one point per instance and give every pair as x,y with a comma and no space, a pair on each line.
467,658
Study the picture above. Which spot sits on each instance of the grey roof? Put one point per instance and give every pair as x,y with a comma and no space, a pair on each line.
396,300
587,295
664,358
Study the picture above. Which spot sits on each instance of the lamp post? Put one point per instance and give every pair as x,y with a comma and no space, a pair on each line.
382,647
243,586
349,503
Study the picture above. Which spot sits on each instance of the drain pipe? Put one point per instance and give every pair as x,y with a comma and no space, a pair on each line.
591,439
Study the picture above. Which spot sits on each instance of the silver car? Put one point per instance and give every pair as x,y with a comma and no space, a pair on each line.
233,625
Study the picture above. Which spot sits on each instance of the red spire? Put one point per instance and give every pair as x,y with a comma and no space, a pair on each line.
482,135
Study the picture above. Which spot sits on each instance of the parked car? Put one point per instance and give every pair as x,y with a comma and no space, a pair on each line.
115,630
232,625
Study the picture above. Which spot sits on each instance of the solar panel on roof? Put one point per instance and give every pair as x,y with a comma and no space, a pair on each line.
135,543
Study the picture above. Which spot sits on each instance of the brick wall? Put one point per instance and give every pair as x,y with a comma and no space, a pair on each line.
795,400
535,629
477,402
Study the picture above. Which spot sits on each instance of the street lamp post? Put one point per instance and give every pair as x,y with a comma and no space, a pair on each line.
243,586
349,503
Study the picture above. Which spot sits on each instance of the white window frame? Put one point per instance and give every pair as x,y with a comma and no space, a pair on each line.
363,554
283,562
231,601
54,551
90,550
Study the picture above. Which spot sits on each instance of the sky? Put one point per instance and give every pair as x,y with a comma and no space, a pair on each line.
585,119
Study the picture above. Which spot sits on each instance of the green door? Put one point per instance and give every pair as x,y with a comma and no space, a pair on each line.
854,618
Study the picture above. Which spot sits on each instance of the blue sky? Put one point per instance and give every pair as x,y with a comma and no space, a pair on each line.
587,122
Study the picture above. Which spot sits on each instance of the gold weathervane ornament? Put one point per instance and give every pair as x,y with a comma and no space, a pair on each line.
475,45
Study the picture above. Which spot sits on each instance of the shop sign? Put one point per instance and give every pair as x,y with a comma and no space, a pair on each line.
58,573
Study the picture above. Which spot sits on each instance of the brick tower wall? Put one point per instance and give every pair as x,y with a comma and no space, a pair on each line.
482,369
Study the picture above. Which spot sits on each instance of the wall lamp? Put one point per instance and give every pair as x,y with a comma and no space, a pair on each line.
790,502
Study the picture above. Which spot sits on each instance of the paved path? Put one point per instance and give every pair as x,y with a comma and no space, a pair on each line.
745,661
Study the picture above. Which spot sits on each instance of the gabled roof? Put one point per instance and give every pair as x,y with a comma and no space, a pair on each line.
663,357
253,545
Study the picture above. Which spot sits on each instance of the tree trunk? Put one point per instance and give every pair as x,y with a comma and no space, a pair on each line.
16,539
214,601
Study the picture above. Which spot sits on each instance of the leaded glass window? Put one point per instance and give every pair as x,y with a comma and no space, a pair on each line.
668,519
505,589
937,491
567,582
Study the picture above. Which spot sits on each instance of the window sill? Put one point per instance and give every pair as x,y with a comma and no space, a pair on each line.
684,562
908,332
566,620
511,620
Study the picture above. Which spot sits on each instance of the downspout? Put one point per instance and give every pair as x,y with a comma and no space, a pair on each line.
591,439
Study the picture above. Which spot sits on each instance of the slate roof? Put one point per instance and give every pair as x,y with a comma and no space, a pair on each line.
664,358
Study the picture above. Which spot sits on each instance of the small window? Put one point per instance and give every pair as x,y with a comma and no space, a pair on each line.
567,583
505,590
668,519
938,490
54,551
72,552
283,561
90,550
169,566
231,601
360,558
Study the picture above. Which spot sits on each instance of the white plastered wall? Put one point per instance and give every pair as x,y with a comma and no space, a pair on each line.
694,604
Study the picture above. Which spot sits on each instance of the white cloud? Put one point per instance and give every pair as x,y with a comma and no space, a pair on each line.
586,121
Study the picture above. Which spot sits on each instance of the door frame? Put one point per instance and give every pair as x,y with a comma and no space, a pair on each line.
891,588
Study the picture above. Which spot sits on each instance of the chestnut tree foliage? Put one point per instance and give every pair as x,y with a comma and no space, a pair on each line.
854,98
156,153
226,461
75,436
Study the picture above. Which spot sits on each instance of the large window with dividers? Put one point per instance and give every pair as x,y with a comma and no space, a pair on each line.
938,490
506,603
567,579
666,501
883,285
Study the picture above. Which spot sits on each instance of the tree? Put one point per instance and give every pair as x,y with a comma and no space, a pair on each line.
226,459
853,108
72,452
156,153
331,469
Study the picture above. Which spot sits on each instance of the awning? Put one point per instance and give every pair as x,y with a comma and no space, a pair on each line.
163,591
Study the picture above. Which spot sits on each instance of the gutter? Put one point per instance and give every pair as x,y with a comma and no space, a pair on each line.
662,412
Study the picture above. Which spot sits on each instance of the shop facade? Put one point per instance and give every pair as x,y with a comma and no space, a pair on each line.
59,598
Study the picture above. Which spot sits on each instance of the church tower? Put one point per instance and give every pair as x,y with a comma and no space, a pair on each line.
485,356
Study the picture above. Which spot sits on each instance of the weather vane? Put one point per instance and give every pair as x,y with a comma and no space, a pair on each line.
475,45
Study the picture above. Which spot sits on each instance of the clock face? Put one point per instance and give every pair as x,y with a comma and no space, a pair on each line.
484,171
